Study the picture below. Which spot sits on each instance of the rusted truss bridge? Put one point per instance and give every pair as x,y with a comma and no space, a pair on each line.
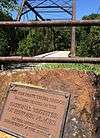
46,9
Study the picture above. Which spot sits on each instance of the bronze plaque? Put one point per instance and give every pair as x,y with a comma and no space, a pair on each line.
31,112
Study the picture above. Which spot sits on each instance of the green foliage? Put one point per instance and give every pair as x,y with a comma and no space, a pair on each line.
88,39
92,16
6,5
74,66
29,45
62,38
3,43
8,41
4,16
42,40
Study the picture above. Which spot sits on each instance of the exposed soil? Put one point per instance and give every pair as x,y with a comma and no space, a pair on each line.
80,121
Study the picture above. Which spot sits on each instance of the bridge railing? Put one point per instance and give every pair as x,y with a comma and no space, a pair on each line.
72,23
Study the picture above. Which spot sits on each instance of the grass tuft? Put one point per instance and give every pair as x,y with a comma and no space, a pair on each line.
82,67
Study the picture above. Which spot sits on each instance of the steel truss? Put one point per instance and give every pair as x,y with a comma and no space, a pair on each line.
46,9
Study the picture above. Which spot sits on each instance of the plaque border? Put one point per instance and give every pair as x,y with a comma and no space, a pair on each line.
41,89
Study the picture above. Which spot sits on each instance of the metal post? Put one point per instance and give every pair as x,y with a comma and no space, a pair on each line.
21,10
73,42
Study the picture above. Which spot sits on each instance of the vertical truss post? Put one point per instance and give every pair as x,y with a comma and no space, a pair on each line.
73,36
20,10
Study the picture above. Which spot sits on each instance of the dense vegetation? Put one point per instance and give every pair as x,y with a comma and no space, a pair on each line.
42,40
88,39
7,5
34,41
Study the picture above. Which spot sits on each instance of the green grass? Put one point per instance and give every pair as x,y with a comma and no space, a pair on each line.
82,67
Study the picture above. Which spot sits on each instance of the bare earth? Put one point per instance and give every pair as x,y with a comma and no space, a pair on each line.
80,122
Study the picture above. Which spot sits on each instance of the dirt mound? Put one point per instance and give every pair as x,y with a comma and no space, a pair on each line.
80,123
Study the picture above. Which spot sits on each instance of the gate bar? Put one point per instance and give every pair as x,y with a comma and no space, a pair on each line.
49,23
20,59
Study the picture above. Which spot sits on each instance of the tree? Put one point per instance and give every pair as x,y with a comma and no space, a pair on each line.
42,40
62,38
8,40
6,5
88,39
3,43
30,45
